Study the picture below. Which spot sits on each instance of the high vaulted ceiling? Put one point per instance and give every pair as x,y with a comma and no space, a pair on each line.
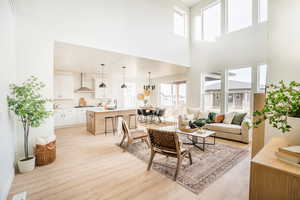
75,58
190,3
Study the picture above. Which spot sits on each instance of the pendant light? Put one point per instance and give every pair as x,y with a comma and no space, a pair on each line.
124,86
149,87
102,84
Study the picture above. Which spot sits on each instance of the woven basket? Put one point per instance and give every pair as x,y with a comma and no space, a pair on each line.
45,154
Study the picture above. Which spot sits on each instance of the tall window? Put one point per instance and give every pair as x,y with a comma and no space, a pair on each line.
172,94
239,90
239,14
262,77
198,28
211,26
129,95
179,22
263,11
212,92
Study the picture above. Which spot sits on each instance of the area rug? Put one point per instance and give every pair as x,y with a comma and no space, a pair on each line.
207,166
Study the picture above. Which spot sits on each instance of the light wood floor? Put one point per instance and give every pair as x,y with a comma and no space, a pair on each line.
93,167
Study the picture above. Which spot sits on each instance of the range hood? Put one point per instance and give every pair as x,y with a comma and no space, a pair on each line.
82,88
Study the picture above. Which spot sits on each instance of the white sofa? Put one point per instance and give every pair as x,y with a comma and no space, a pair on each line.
227,131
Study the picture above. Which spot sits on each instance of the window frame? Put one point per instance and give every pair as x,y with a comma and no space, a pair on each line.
201,15
227,18
175,101
182,13
259,12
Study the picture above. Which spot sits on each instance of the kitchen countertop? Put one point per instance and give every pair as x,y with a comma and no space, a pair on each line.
99,110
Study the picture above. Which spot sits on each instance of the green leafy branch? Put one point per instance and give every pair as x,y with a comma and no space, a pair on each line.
282,101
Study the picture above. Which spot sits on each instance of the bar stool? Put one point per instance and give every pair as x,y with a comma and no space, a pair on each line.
117,120
130,116
112,123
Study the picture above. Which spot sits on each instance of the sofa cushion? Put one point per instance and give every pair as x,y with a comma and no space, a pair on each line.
238,118
219,118
228,118
221,127
212,116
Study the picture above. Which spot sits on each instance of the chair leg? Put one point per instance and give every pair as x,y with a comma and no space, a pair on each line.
151,160
122,140
113,125
127,145
147,142
177,168
190,158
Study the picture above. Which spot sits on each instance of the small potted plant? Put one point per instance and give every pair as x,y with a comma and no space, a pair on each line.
30,108
282,102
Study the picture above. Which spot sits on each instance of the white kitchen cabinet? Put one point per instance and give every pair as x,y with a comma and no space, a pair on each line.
63,86
81,116
69,117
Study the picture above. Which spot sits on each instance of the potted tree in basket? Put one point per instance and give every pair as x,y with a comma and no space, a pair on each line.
282,102
30,108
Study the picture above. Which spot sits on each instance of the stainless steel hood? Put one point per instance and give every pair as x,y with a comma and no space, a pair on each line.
83,88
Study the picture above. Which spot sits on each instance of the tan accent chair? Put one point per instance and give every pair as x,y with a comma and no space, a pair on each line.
132,135
168,144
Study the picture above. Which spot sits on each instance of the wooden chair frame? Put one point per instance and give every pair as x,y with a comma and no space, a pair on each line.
132,135
167,143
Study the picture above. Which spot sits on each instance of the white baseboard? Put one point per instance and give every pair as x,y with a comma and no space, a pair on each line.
7,186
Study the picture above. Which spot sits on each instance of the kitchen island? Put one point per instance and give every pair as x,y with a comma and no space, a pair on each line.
95,119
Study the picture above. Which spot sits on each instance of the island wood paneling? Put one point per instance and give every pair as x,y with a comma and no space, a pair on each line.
96,120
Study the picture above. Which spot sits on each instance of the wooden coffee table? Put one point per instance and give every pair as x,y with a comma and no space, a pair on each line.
194,137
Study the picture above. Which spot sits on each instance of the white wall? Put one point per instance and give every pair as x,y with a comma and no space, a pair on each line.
246,47
136,27
8,73
283,52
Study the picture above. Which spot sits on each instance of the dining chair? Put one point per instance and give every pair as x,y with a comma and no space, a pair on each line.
167,143
132,135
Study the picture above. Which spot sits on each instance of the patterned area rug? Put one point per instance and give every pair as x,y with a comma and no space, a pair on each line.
207,166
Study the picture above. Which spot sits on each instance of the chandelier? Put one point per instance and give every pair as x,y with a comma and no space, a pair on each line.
149,86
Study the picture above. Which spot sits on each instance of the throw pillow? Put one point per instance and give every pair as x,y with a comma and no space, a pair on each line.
202,115
228,118
238,118
219,118
212,116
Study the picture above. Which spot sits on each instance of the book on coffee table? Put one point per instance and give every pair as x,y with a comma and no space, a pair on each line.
291,150
290,155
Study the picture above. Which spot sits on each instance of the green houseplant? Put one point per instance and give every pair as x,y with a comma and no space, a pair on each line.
282,101
30,108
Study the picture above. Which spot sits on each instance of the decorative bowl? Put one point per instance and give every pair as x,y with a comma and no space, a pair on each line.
189,130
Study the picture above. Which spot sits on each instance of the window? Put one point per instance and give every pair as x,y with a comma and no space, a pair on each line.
198,28
179,22
212,22
263,11
212,92
172,94
129,95
262,77
239,14
239,90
